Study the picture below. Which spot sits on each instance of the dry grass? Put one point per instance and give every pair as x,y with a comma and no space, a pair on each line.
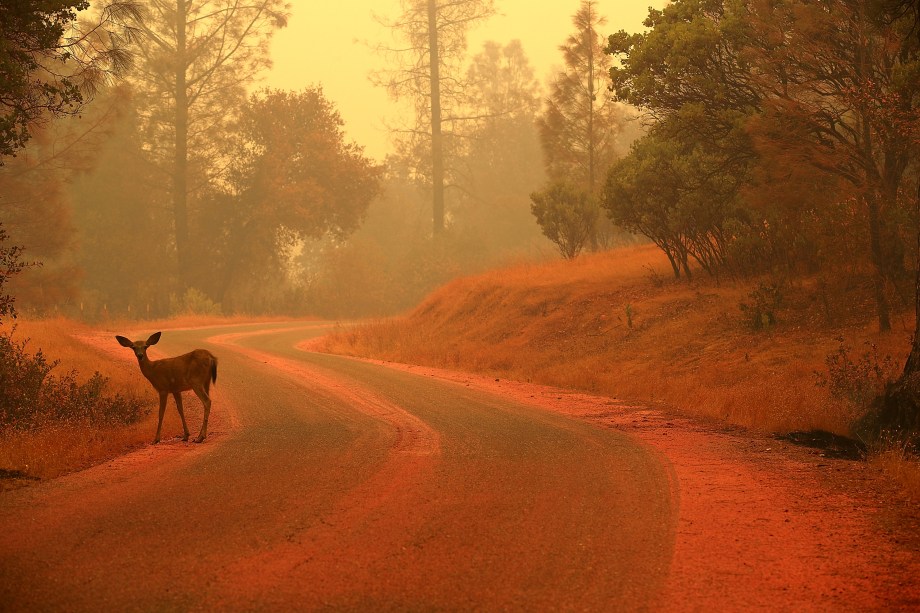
686,345
563,324
58,338
53,451
900,466
615,324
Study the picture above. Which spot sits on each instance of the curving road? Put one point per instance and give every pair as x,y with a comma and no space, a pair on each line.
333,483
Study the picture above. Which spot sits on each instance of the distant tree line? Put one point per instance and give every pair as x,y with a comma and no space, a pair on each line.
148,180
739,137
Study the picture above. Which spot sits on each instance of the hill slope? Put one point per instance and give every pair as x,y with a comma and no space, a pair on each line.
615,323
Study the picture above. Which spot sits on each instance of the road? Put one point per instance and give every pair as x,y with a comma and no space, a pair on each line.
330,483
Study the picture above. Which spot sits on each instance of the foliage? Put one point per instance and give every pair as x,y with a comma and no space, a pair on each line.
670,191
295,161
762,304
581,123
579,127
10,264
392,261
217,52
785,127
120,222
32,397
680,184
196,61
692,53
865,75
857,379
426,68
567,216
501,163
192,302
51,64
296,178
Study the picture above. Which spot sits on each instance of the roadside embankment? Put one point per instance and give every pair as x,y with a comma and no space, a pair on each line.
772,358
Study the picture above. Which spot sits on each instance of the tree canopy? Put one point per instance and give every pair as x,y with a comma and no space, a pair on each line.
51,64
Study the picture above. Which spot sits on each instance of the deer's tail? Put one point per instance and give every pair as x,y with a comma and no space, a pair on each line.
213,369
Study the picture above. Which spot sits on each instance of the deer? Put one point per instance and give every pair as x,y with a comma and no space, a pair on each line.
194,371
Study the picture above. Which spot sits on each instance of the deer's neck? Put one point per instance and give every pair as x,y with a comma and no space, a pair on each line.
146,367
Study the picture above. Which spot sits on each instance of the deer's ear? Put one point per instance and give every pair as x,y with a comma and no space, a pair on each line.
154,338
123,341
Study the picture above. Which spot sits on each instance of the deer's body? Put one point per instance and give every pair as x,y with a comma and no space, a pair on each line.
194,371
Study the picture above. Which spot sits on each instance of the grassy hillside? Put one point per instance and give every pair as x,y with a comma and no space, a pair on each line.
616,323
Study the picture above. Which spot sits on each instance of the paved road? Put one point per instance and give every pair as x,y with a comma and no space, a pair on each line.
332,483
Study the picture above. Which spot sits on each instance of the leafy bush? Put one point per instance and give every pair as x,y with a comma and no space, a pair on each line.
10,265
567,216
765,301
858,380
193,302
31,397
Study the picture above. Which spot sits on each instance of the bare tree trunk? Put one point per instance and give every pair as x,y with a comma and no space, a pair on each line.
869,195
437,139
589,41
881,300
913,360
180,168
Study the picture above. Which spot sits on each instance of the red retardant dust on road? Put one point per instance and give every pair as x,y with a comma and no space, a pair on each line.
332,483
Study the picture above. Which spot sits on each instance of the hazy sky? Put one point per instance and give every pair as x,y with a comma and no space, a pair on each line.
330,43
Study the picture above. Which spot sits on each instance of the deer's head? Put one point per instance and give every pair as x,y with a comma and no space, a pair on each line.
139,347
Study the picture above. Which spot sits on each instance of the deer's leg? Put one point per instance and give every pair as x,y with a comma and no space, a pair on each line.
206,401
178,397
163,397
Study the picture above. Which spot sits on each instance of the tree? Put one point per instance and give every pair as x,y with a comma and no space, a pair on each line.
840,82
11,264
567,216
295,178
37,196
689,76
692,55
899,407
36,212
501,163
427,71
115,212
673,191
781,89
196,60
579,127
51,64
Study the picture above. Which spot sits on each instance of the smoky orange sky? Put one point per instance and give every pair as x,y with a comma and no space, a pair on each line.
331,43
